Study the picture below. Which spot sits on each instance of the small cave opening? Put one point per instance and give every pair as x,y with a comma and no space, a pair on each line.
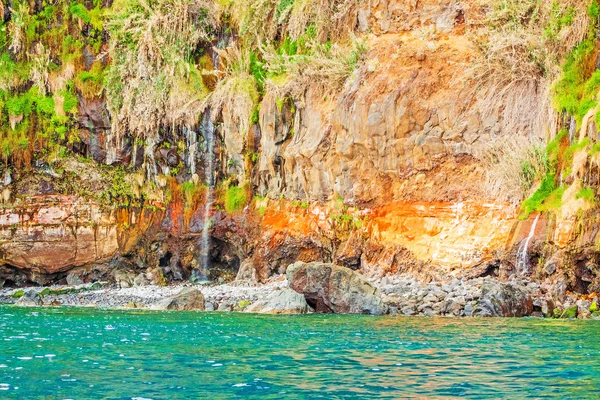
9,283
165,261
491,270
580,286
224,261
582,278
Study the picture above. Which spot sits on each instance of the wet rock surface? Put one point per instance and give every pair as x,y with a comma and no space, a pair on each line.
503,300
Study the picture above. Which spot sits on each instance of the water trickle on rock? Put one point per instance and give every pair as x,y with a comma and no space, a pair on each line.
207,128
191,140
572,129
522,254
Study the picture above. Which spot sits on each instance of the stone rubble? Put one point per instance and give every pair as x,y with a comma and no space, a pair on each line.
401,295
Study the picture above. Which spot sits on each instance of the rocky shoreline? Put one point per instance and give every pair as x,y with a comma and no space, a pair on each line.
316,287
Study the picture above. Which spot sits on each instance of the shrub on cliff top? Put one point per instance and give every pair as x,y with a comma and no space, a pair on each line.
44,46
514,165
522,44
545,190
263,20
237,92
152,81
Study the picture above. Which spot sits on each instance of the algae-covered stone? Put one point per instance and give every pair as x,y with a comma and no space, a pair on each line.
30,298
569,312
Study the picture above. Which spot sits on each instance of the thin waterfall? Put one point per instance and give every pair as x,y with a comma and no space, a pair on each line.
207,128
191,138
522,255
572,129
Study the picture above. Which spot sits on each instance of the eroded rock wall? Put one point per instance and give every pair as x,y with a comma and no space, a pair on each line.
382,177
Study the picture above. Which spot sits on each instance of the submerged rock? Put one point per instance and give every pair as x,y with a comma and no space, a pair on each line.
186,300
284,301
30,298
503,300
331,288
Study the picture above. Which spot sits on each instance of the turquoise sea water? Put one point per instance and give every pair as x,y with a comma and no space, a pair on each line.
58,353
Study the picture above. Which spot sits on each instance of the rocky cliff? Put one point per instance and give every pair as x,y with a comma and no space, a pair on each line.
203,139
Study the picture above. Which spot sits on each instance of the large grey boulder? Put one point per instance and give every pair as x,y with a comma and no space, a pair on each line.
74,279
284,301
123,278
331,288
503,300
30,298
246,275
186,300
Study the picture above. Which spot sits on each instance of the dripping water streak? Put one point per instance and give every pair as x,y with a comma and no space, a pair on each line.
572,129
522,255
191,138
208,130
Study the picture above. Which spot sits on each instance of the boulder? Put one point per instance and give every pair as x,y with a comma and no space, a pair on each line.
156,276
30,298
583,309
123,278
503,300
331,288
246,275
141,280
225,306
186,300
74,279
284,301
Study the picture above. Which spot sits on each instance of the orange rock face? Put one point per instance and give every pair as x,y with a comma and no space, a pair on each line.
436,235
449,235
